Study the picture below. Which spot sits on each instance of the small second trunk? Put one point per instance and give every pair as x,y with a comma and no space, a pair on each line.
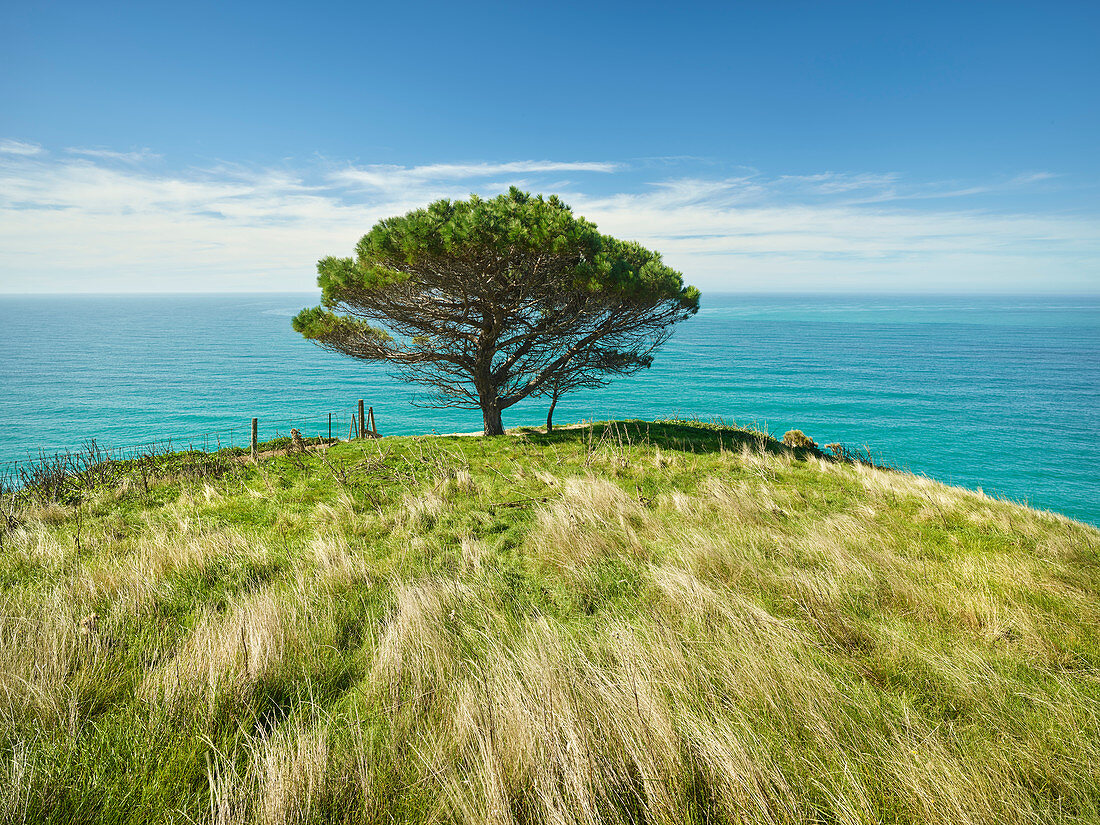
550,415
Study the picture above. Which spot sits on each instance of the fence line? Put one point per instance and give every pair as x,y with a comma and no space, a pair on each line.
329,424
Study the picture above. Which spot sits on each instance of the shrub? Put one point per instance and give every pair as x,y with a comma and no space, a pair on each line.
797,438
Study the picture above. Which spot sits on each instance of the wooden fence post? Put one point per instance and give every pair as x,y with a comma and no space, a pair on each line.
373,426
362,421
330,426
255,440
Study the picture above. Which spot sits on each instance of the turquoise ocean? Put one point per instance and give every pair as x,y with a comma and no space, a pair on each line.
996,393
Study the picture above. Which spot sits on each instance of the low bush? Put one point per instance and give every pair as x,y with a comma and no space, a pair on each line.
798,439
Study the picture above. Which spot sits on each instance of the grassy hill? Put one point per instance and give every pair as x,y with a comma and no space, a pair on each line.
623,623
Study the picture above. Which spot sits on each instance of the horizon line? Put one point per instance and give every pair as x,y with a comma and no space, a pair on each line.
755,292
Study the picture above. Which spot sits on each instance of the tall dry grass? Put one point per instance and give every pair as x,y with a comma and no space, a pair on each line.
599,630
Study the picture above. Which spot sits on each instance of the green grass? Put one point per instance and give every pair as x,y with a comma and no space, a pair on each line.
628,622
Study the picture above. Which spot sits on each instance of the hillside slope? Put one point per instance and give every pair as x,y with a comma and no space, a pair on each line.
622,623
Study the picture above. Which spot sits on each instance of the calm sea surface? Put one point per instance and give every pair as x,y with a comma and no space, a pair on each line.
997,393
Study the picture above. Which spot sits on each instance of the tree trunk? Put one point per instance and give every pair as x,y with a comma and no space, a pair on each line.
491,415
550,415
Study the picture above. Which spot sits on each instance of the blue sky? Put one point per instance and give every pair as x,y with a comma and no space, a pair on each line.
781,146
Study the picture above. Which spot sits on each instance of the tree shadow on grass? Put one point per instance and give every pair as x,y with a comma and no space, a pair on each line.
684,436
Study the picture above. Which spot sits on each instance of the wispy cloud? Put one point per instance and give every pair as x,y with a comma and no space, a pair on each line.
724,242
1033,177
135,156
394,189
831,183
19,147
388,177
94,219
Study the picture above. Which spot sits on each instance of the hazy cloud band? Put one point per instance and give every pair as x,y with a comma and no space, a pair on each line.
90,219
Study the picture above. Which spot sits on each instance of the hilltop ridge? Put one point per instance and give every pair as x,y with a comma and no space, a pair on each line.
618,622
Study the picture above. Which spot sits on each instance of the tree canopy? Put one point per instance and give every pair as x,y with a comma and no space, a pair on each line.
491,301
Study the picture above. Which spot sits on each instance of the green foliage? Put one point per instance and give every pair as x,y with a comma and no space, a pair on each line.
515,225
318,324
478,229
